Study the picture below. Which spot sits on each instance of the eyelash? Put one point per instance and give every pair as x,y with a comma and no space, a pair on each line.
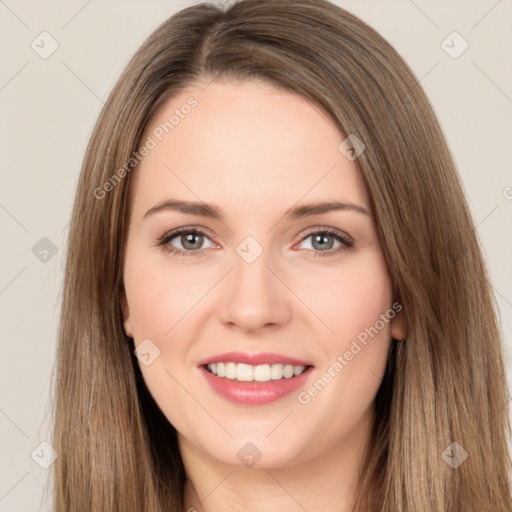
164,241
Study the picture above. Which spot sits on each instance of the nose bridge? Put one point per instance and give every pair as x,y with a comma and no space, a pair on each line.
254,296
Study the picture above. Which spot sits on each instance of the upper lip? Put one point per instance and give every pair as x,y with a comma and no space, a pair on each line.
253,359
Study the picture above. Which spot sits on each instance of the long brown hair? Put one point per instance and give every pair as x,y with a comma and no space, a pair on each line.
444,384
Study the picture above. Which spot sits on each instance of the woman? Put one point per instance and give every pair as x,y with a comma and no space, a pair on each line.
274,294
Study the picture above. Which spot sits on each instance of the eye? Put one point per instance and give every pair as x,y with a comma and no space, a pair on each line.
323,240
189,240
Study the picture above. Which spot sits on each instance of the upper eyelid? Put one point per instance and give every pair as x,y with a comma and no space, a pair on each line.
187,229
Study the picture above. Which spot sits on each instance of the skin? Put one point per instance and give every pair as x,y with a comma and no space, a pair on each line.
255,151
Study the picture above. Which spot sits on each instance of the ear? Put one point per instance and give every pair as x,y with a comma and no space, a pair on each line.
128,327
398,327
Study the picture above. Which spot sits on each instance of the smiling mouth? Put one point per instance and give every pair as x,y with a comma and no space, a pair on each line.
242,372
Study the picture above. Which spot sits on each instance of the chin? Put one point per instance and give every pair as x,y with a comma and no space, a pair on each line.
254,452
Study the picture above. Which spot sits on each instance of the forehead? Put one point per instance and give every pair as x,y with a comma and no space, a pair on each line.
247,144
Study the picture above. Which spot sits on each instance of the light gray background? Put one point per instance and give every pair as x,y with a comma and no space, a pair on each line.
49,107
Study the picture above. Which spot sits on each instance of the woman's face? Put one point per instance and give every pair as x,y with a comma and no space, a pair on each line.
263,281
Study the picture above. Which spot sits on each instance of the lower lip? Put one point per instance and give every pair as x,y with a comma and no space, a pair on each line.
255,393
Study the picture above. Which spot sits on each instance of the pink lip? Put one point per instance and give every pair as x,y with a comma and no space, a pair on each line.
254,393
253,359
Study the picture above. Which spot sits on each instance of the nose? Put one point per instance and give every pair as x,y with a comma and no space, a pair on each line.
254,297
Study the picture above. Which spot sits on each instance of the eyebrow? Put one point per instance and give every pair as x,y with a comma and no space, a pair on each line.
213,212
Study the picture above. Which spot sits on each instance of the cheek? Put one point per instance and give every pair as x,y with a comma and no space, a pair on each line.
350,298
160,297
161,302
356,306
164,302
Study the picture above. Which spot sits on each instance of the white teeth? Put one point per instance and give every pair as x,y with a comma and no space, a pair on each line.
297,370
259,373
231,372
243,372
276,371
288,371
